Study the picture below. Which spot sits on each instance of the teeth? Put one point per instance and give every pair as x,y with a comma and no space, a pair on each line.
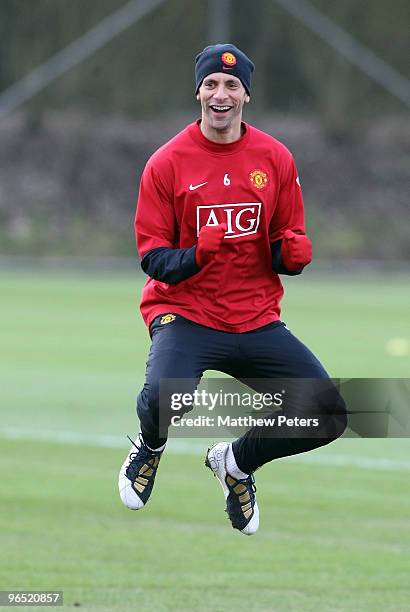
220,108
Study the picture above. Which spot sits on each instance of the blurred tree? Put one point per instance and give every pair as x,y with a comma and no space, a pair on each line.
149,68
342,94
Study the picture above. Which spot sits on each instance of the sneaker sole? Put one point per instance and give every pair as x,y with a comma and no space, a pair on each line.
127,494
215,461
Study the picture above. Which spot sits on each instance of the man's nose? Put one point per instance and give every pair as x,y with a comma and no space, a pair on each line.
220,93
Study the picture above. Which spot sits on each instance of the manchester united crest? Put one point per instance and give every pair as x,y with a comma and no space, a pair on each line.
258,178
228,59
168,318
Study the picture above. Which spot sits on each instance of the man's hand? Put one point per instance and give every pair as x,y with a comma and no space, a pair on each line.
209,241
296,250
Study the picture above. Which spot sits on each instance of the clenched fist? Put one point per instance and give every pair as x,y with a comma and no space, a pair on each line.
209,241
296,250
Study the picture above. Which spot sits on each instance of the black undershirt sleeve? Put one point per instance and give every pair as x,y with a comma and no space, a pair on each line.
170,265
175,265
277,263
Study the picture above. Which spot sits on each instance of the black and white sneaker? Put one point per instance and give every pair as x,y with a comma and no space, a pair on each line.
137,475
240,497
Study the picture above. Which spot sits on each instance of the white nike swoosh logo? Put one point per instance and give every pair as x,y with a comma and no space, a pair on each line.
193,187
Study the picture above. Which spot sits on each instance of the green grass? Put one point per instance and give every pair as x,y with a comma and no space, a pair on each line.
338,543
332,538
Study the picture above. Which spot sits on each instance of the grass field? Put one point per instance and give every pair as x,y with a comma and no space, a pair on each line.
335,524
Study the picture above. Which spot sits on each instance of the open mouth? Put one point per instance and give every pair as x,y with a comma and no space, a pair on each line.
220,109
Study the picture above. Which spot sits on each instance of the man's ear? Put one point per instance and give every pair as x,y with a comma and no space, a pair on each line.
247,98
197,96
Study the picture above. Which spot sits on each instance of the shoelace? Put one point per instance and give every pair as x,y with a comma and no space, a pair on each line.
249,482
252,486
143,455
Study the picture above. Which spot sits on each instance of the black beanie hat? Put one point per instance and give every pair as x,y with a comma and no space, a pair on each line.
223,58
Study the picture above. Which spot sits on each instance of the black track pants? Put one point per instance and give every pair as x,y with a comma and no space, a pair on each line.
182,349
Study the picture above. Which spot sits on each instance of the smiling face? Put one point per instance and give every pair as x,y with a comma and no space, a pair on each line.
222,97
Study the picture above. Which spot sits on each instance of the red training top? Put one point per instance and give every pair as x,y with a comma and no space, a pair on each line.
251,185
